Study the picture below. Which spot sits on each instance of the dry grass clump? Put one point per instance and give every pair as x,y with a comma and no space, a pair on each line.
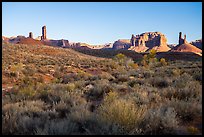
122,112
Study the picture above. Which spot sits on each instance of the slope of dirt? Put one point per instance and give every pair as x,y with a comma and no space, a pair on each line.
186,56
186,47
30,41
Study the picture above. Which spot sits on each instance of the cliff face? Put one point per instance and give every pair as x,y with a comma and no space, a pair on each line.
197,43
122,44
60,43
149,40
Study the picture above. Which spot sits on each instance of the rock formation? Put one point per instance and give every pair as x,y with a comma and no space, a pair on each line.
122,44
182,40
60,43
149,40
29,41
184,46
197,43
30,35
44,33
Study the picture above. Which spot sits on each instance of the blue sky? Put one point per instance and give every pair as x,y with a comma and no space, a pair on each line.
100,23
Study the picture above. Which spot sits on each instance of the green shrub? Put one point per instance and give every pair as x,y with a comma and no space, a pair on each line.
150,59
163,62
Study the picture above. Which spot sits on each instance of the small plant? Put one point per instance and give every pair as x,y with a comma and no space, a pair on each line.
133,65
193,130
149,59
71,87
120,58
163,62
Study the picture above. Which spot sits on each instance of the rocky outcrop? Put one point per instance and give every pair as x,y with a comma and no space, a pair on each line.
171,45
184,46
149,40
182,40
60,43
5,39
197,43
30,35
122,44
44,35
29,41
17,39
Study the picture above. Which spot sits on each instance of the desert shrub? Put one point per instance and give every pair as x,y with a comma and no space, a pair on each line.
132,83
160,120
125,61
106,75
57,74
50,97
120,111
129,63
140,98
13,74
100,88
28,91
89,123
26,81
193,130
197,76
181,81
95,126
70,78
152,53
28,70
75,100
120,58
94,77
71,87
159,82
144,61
79,84
192,90
121,78
16,68
83,75
63,109
111,64
154,98
176,72
186,110
58,127
147,74
133,65
150,59
163,62
12,115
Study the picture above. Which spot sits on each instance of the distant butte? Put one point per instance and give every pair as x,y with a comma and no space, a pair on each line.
184,46
138,43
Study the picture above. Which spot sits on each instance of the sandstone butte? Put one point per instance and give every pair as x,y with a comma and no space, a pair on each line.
149,40
184,46
144,42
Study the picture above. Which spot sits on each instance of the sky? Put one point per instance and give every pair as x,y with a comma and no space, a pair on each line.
102,22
